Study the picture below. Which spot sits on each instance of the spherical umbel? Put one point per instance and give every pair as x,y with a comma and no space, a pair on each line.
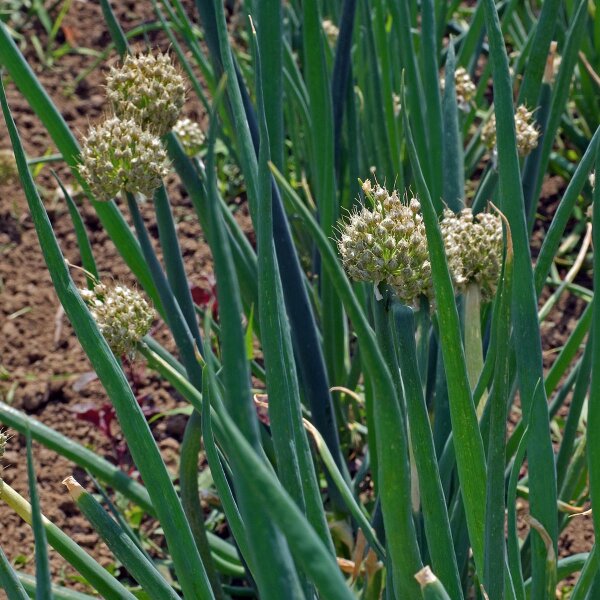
148,89
465,88
190,135
120,156
526,131
473,246
387,243
122,314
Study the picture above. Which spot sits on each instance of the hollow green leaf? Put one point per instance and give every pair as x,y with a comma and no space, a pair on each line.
323,181
313,556
9,581
296,466
121,545
453,155
467,437
60,593
42,564
536,59
114,28
495,546
593,417
435,512
272,561
78,454
526,331
102,581
438,148
589,572
569,55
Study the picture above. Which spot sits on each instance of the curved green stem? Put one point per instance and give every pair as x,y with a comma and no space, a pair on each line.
393,454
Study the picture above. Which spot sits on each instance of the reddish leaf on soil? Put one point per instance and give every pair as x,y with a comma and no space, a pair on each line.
206,295
100,416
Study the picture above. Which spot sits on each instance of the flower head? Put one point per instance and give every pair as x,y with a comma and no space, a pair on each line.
387,243
465,88
331,31
474,249
527,132
190,135
148,89
122,314
119,156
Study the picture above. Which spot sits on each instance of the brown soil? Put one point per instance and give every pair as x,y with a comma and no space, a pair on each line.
43,368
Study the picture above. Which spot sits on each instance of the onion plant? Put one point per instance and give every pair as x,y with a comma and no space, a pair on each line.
395,435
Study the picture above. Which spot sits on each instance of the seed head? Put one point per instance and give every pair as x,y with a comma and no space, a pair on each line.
331,31
148,89
527,132
190,135
119,156
465,88
122,314
396,103
474,249
387,243
592,179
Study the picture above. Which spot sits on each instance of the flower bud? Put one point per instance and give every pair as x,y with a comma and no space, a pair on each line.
465,88
473,246
119,156
147,89
387,243
526,131
122,314
190,135
331,31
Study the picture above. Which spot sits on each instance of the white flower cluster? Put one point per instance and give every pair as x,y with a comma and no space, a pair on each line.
465,88
473,246
190,135
120,156
124,153
527,132
122,314
148,89
387,243
331,31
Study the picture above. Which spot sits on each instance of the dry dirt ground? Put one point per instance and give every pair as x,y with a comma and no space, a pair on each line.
43,369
